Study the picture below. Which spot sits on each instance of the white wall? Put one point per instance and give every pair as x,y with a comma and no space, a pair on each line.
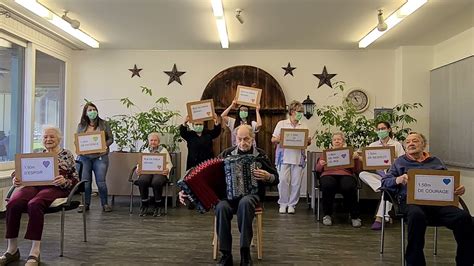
103,74
448,51
454,48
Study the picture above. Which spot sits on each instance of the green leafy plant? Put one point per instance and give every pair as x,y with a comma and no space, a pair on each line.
131,130
358,129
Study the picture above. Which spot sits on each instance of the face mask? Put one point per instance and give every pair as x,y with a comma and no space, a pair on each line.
92,115
298,116
243,114
198,128
382,134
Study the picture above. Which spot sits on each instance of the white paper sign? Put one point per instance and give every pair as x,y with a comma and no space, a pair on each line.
378,157
201,111
90,142
429,187
37,169
152,163
294,139
338,157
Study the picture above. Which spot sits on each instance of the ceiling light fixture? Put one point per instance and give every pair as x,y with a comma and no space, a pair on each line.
220,21
75,24
406,9
70,26
238,15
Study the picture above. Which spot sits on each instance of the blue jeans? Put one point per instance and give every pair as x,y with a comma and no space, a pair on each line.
99,166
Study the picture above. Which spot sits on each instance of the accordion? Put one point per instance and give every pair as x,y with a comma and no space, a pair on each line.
217,178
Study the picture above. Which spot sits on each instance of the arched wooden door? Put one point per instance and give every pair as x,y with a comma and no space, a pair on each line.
222,89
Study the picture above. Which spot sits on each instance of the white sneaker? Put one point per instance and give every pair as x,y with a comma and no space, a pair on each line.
327,220
291,210
282,210
356,223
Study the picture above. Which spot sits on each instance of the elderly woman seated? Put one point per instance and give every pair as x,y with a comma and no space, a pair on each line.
333,180
36,199
156,181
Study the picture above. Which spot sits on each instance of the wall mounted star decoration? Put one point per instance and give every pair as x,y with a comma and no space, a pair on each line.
174,75
289,69
324,78
135,71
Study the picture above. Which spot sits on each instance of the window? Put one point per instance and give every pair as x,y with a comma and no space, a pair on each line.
49,95
11,98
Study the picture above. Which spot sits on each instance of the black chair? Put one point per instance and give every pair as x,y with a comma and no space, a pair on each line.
67,205
133,179
399,213
317,187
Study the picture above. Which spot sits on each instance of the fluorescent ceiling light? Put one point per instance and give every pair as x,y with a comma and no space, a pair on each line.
406,9
220,22
54,19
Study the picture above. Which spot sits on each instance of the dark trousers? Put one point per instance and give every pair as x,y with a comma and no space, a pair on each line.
154,181
344,184
34,201
245,210
459,221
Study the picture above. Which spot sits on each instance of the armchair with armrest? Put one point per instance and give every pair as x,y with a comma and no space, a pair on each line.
66,204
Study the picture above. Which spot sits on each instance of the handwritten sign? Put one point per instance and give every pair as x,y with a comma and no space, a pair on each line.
432,187
377,158
36,169
338,158
201,110
293,138
90,142
248,96
152,163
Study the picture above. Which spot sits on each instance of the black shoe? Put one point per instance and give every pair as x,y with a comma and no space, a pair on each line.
245,258
8,258
226,260
143,211
157,212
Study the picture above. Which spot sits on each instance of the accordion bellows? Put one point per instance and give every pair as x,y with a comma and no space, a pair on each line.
213,179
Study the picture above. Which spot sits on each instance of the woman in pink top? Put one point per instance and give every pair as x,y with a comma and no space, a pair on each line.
338,180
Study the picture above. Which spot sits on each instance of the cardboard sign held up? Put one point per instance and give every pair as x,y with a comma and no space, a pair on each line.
338,158
152,163
378,158
248,96
200,110
90,142
432,187
36,169
293,138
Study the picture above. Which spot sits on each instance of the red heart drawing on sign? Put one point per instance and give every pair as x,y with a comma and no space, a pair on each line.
385,161
253,100
208,113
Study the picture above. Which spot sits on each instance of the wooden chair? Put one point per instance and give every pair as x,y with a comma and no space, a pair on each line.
67,205
259,231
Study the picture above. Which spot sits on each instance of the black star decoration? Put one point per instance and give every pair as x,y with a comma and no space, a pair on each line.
325,78
135,71
289,69
174,75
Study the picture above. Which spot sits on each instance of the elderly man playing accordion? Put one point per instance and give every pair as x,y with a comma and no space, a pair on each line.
244,206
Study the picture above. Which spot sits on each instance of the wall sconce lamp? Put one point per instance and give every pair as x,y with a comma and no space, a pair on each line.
308,106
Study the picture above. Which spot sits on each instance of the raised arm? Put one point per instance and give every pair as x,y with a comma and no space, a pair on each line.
225,114
259,119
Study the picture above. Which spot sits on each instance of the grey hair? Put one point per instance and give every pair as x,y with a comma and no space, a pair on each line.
249,128
56,129
294,106
154,134
339,133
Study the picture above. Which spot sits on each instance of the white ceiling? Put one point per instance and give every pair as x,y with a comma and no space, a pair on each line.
269,24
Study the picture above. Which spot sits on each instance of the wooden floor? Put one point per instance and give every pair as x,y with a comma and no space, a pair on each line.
183,237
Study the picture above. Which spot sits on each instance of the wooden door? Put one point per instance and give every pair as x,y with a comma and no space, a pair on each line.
222,89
